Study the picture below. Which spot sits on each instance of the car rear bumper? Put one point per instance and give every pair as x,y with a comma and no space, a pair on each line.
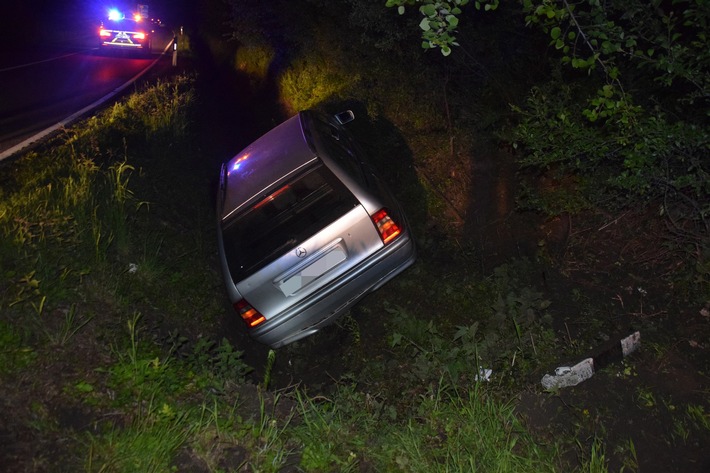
332,301
108,44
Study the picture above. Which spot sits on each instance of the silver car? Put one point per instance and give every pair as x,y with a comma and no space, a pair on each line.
305,228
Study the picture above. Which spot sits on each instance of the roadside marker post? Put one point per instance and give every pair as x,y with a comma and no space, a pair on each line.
613,352
175,51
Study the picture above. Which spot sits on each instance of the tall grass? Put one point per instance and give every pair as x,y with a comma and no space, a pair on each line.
446,430
148,444
467,432
254,61
312,81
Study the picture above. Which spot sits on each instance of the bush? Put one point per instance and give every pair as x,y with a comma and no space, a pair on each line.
633,131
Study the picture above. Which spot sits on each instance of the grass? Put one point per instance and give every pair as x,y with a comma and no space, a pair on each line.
445,430
148,444
472,431
111,303
86,222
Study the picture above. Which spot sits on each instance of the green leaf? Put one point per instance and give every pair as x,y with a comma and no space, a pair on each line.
555,32
424,24
400,10
453,21
428,10
84,387
396,339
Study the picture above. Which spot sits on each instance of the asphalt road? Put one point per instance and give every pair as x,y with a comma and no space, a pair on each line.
42,91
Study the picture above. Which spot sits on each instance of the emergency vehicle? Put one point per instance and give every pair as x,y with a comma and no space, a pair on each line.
127,33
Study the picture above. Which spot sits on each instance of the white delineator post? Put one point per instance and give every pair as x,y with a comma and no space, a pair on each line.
573,375
175,42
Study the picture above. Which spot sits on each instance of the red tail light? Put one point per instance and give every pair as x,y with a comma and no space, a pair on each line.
139,36
103,32
387,227
249,314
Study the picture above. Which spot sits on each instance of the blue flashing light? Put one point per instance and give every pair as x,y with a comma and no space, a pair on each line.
238,162
114,14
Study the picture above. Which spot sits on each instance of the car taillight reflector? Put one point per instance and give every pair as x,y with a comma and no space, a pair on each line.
272,197
249,314
387,227
103,32
139,35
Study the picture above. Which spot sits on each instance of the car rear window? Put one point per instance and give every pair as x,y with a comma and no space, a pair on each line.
291,213
124,25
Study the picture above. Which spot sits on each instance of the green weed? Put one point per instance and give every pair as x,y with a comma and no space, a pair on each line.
68,327
507,330
15,353
254,61
217,363
325,435
271,357
148,444
311,81
697,415
457,431
694,422
269,451
596,461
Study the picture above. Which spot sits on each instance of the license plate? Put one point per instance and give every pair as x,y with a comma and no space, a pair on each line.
313,271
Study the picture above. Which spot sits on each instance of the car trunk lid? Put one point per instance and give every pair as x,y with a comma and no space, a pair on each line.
301,271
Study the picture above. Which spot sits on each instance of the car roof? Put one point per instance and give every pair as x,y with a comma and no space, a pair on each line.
280,152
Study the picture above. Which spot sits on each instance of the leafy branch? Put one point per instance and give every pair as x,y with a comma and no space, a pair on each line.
440,19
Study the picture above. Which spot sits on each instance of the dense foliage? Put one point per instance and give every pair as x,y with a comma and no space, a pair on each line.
639,122
629,122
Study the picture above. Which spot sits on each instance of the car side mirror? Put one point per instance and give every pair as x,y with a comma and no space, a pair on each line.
345,117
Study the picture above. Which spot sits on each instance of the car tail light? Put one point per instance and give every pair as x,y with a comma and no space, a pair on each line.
387,227
103,32
249,314
139,36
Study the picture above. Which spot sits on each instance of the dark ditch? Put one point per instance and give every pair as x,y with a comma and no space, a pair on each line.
638,408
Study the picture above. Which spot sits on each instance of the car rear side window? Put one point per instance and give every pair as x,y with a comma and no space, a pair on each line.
288,215
338,146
